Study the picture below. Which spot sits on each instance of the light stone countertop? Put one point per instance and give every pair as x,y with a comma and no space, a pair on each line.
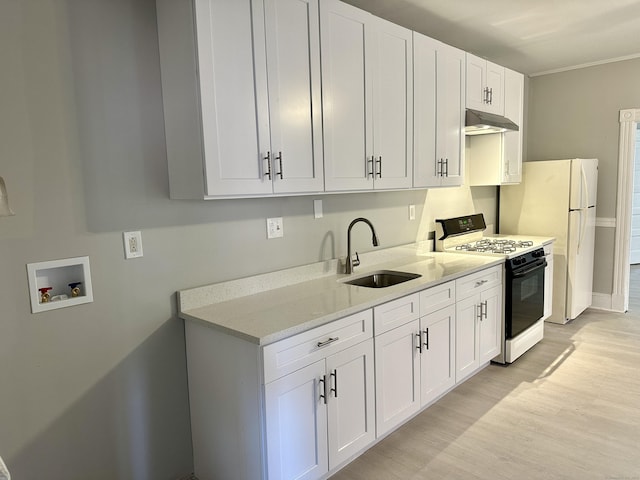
267,308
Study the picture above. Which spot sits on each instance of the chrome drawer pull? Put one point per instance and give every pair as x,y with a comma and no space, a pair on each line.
327,342
481,282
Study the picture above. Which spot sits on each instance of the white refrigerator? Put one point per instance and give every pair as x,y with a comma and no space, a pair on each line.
557,198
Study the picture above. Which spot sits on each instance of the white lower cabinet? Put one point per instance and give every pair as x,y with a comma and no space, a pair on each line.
478,320
297,425
321,415
414,361
397,376
437,373
302,407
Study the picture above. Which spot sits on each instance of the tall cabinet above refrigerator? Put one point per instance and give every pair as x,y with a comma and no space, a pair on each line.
558,198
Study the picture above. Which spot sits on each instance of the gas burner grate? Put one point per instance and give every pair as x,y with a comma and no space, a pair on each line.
494,245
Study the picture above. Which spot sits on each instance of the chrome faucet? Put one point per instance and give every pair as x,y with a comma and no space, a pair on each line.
351,262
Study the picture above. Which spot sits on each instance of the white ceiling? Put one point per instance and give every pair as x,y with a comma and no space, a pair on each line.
530,36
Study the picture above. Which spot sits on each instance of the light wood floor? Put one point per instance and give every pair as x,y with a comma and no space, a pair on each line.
568,409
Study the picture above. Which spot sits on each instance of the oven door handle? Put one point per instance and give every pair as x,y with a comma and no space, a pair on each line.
541,264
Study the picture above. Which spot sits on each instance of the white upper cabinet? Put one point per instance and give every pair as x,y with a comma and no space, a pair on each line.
439,82
367,100
496,159
513,110
293,67
245,110
485,85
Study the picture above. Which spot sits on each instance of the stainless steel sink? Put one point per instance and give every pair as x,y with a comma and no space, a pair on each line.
382,279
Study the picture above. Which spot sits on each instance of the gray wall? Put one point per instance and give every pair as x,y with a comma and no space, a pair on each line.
576,114
99,391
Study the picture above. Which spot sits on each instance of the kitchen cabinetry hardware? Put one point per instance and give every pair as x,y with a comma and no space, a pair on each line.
279,158
379,170
484,310
419,337
267,173
481,282
327,342
446,167
323,388
426,338
334,389
371,167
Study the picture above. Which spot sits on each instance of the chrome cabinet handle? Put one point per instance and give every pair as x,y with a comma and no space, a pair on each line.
491,96
485,308
323,390
481,282
379,164
279,158
329,341
419,337
334,389
426,336
479,311
446,167
440,172
268,159
486,94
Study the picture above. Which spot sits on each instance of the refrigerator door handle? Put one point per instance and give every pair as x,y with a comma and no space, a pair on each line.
585,201
583,227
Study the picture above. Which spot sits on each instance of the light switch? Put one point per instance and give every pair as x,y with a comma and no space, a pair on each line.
317,209
275,228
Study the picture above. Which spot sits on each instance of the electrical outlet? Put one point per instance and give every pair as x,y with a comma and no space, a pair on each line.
275,228
412,212
132,244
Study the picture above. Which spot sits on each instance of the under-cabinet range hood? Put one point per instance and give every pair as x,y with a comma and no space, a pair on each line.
481,123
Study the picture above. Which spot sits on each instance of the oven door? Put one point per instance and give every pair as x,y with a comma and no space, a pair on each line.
524,303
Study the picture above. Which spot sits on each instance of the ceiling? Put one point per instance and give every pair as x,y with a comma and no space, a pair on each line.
529,36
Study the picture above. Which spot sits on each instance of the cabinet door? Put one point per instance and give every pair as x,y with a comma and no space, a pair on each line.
513,110
351,410
392,60
495,87
490,331
296,425
233,96
467,355
437,371
476,82
293,53
347,90
425,167
450,113
397,363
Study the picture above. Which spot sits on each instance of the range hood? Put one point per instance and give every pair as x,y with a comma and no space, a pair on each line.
480,123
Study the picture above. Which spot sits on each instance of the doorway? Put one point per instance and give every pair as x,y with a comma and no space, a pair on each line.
629,120
634,247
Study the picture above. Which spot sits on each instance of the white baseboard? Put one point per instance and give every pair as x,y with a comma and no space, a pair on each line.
603,301
608,302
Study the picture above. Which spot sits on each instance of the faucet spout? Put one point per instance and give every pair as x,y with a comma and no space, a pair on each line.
374,240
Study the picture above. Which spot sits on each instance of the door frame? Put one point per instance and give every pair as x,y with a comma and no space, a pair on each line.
629,120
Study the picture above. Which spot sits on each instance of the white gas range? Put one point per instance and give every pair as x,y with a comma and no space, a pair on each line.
524,277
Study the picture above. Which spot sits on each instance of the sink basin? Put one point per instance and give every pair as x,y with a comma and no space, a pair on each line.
382,279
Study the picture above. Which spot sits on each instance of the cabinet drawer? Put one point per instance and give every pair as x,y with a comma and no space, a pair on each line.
395,313
435,298
479,281
288,355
